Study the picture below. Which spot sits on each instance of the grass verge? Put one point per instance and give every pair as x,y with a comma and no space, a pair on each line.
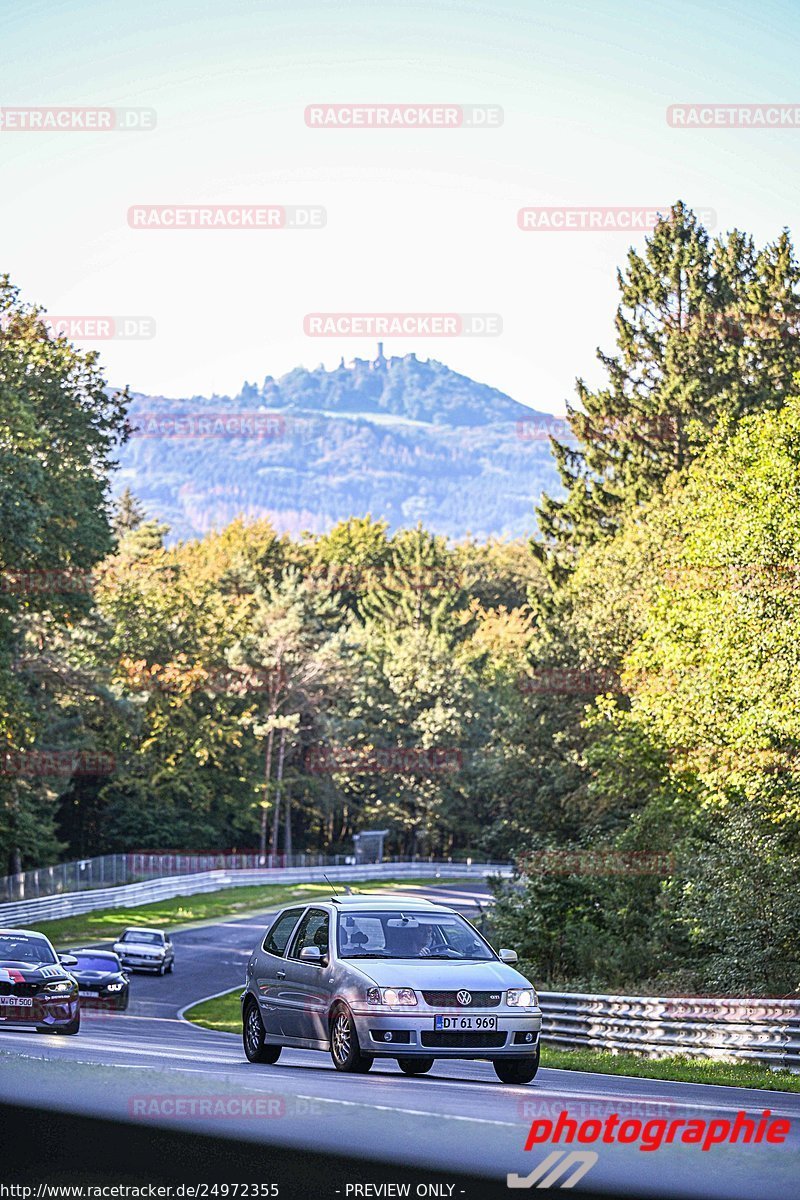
678,1070
107,924
223,1016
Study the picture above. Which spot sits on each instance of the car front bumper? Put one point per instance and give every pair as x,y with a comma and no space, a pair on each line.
410,1033
103,1001
50,1013
138,962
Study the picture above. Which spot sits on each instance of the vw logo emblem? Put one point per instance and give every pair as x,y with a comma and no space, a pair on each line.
464,997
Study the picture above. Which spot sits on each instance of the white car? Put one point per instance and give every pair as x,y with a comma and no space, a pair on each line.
145,950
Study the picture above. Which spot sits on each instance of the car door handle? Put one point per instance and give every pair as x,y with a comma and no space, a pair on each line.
281,974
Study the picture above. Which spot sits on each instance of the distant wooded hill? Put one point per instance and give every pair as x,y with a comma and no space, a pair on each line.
402,439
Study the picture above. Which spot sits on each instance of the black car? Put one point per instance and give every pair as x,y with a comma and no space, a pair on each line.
101,980
37,988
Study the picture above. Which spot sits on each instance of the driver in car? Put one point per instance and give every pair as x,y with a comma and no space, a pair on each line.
414,941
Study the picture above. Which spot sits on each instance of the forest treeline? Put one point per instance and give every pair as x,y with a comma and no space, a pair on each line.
614,706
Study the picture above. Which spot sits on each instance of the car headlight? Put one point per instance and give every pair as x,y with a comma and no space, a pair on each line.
522,998
114,987
59,989
397,997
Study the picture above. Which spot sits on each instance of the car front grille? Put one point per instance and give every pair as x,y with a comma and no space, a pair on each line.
19,989
463,1041
450,999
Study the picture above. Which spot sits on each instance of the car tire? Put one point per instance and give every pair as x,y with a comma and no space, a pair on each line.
414,1066
516,1070
169,968
345,1050
256,1050
161,970
68,1030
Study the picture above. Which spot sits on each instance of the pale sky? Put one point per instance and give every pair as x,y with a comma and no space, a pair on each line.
417,220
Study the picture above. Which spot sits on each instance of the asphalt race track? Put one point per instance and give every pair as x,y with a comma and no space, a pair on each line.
147,1062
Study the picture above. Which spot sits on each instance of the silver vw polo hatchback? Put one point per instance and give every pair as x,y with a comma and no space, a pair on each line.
368,977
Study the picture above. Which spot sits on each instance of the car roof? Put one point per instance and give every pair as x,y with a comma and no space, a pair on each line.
93,952
31,933
373,900
142,929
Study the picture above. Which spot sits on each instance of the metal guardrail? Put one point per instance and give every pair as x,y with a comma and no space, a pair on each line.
107,870
765,1031
50,908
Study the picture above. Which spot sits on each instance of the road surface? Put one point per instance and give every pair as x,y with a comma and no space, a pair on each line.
150,1065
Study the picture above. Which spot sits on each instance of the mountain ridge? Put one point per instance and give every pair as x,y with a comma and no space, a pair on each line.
401,438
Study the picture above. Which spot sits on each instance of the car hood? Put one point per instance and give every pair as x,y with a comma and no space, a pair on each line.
96,976
438,975
138,948
31,972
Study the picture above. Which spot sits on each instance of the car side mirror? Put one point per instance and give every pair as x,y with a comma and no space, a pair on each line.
312,954
68,960
508,956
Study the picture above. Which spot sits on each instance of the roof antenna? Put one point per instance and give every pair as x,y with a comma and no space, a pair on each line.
330,885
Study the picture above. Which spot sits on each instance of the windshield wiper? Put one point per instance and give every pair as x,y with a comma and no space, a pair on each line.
368,955
449,957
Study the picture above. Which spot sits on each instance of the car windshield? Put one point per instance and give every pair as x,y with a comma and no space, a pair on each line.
143,937
88,962
17,948
409,935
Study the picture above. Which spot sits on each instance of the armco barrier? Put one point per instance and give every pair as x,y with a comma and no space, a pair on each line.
72,904
110,870
765,1031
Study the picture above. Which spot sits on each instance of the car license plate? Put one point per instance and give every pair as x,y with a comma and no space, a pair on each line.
17,1001
459,1022
90,995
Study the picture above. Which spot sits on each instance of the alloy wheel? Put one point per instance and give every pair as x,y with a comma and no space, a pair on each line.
253,1029
342,1037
